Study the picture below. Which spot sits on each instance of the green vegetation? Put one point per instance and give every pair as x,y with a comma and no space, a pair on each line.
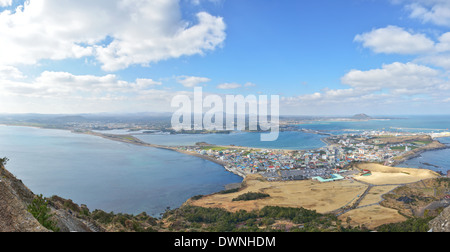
3,161
214,148
68,204
198,219
410,225
230,191
401,148
443,182
251,196
129,138
197,197
40,210
422,142
125,222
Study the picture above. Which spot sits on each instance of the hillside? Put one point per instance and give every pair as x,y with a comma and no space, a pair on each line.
361,117
219,212
14,198
442,222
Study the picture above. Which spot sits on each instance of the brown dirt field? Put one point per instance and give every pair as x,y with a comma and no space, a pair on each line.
372,216
322,197
384,175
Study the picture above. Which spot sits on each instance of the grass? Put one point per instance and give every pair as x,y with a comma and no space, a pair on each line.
422,142
402,148
214,148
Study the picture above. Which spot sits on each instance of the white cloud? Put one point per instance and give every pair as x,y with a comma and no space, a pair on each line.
62,92
440,60
430,11
392,89
444,43
198,2
5,3
63,84
233,85
10,72
139,32
393,39
229,86
144,83
394,76
192,81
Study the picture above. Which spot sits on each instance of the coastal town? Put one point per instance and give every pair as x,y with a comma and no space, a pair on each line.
328,163
387,147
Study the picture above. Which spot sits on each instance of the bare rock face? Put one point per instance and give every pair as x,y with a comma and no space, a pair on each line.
14,216
14,196
442,222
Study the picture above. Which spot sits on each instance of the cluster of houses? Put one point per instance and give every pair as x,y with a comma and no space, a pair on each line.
345,150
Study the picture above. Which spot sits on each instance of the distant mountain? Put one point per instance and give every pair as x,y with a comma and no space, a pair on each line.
362,117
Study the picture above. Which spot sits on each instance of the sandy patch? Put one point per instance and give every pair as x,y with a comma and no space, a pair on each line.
384,175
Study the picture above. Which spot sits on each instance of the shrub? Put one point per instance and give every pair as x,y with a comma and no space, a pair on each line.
40,210
251,196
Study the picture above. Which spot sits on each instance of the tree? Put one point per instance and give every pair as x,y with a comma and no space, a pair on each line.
4,161
40,210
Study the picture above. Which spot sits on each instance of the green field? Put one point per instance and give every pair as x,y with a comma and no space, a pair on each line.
215,148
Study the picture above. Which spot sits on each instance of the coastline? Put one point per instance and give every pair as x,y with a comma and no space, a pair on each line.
435,146
130,139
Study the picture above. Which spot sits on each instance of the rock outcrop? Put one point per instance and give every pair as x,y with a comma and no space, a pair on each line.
442,222
14,198
14,216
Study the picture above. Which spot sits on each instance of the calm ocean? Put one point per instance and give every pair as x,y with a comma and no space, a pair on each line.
107,175
286,140
438,160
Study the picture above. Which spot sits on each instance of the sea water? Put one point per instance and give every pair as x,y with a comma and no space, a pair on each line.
291,140
437,160
415,124
107,175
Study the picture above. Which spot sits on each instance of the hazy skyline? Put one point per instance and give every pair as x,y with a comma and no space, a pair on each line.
323,57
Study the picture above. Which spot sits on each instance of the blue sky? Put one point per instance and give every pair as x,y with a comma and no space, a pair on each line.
323,57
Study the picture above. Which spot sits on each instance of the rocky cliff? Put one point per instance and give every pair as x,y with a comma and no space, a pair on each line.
14,216
14,199
442,222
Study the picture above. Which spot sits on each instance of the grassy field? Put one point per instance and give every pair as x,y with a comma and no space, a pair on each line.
215,148
322,197
372,216
375,195
326,197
